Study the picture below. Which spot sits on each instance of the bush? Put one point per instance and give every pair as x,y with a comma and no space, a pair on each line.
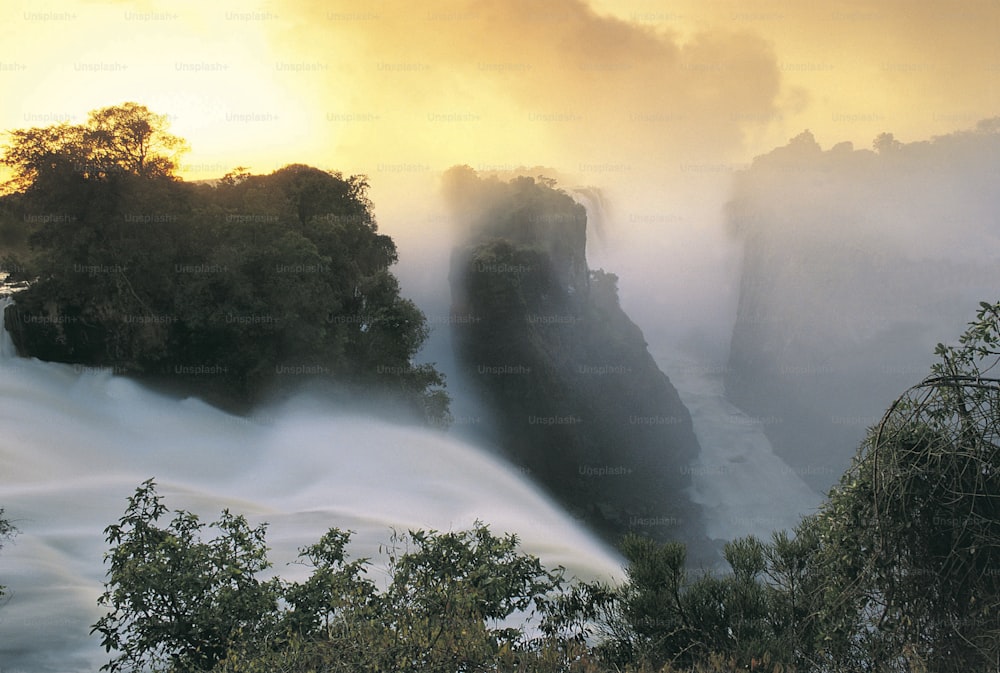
176,602
457,601
909,539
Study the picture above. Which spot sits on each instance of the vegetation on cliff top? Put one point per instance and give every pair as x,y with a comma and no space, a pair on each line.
236,290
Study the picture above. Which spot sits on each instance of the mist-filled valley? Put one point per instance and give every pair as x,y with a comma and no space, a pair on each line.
560,363
576,337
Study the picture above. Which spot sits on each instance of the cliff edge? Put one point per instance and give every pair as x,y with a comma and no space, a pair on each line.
579,402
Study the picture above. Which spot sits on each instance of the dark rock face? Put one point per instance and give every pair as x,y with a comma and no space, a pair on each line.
50,333
856,264
580,403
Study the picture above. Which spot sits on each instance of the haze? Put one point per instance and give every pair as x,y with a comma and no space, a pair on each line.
567,83
656,106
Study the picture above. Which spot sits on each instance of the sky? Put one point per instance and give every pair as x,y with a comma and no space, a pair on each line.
623,88
658,104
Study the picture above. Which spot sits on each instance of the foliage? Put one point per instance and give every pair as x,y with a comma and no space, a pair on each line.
912,533
895,572
455,590
176,602
663,617
239,290
125,138
457,601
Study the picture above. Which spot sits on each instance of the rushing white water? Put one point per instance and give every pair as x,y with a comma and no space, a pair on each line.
75,442
743,487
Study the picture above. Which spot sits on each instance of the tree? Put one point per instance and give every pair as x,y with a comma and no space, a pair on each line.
649,625
39,155
457,601
126,138
335,592
662,617
176,602
241,291
131,138
910,538
886,143
451,594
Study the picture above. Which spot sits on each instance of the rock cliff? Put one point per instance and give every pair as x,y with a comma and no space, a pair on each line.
579,402
856,263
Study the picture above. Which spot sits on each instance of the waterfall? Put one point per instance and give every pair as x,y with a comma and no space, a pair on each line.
598,215
76,441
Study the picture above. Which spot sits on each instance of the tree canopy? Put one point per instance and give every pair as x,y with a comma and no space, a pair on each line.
909,539
177,601
237,289
125,138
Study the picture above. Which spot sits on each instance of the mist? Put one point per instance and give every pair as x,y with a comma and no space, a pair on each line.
857,263
790,283
656,117
659,110
835,270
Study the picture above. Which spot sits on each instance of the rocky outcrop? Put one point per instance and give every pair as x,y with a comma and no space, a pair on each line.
856,264
243,293
579,402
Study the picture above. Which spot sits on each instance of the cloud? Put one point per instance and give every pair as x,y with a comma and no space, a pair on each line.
544,81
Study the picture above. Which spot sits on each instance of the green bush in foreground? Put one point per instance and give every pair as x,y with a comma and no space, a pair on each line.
456,601
453,601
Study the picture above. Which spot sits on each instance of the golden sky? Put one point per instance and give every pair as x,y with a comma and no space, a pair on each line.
609,87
